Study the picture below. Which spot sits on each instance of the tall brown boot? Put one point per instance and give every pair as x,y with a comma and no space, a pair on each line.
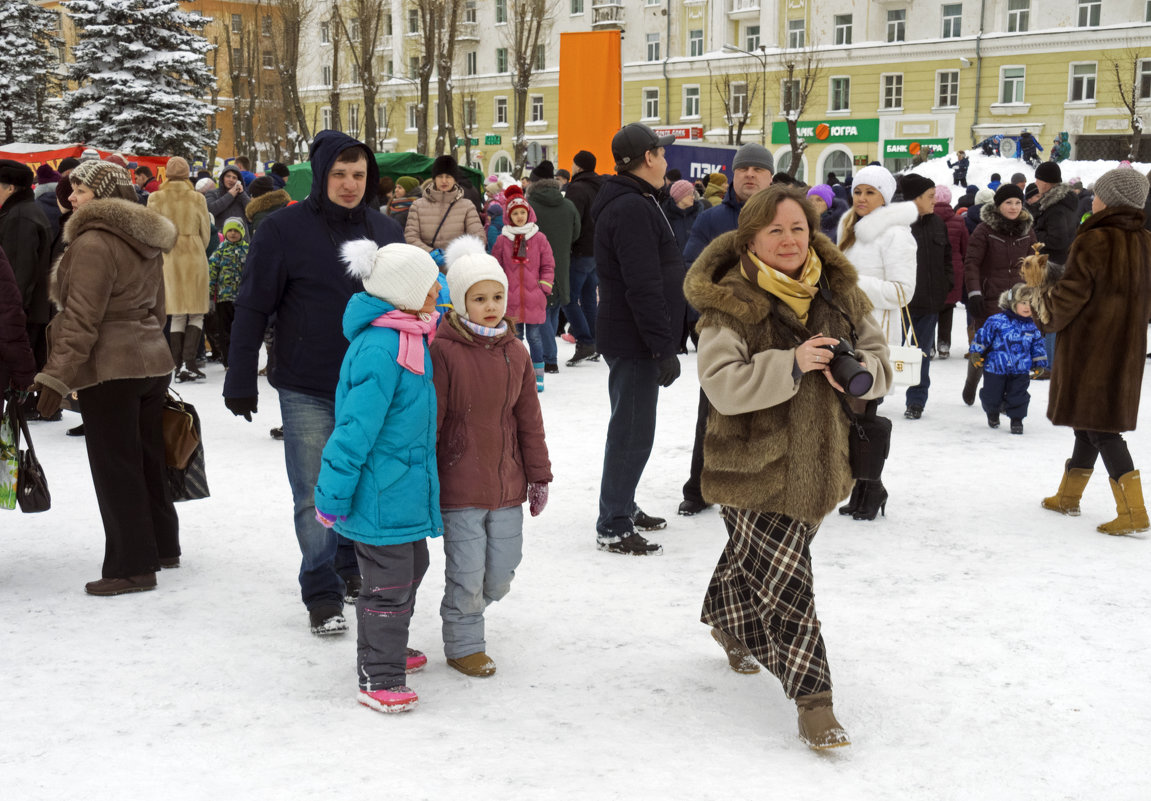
817,724
972,383
176,345
1128,492
1066,498
191,349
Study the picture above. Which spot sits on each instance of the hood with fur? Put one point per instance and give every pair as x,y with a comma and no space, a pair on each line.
139,226
990,214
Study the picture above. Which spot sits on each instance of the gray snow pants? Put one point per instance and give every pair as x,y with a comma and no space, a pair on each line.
391,575
482,549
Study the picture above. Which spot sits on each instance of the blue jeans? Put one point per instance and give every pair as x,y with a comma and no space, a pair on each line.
548,335
581,310
633,389
327,557
1049,346
924,326
534,333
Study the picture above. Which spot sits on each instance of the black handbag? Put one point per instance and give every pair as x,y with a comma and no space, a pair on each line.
191,482
868,442
31,484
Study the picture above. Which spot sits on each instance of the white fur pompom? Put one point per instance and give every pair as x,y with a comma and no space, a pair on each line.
360,256
464,246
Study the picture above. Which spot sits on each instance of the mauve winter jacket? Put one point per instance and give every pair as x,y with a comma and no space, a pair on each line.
958,236
529,282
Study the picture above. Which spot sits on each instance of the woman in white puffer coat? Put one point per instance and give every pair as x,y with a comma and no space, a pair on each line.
875,236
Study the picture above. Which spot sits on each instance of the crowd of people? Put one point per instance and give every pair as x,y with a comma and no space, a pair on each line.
409,323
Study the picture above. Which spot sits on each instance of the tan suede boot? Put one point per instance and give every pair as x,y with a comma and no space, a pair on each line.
478,665
1128,492
817,724
738,656
1066,498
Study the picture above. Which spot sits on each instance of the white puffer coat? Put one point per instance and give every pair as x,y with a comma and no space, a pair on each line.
884,255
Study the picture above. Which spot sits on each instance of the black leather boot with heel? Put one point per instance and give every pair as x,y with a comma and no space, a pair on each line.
855,499
874,502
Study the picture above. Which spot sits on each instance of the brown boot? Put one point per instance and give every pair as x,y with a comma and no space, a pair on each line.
817,724
1066,498
1128,492
119,586
478,665
739,658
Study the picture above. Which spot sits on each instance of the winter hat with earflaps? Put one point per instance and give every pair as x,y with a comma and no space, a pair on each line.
399,274
103,178
468,263
878,177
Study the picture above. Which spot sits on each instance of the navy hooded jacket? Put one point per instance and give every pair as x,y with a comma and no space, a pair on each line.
294,272
714,222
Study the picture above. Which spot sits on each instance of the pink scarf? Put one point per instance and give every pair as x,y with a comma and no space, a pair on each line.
412,332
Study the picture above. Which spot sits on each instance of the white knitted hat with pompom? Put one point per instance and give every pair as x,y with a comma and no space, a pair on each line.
399,274
468,263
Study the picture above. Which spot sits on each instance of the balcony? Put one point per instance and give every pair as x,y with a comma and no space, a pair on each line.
743,8
468,32
607,15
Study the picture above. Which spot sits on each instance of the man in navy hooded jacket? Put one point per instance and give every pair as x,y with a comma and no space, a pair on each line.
294,272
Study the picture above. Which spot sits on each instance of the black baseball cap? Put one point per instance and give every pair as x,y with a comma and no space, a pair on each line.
633,140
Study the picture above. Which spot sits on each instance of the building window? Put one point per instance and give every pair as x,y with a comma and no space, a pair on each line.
381,119
238,59
947,89
751,39
325,118
353,120
413,117
653,47
897,25
413,20
470,114
354,29
267,60
695,41
843,29
1018,15
355,70
469,10
652,2
1011,80
501,11
577,7
325,32
1089,13
795,33
1082,83
470,63
501,59
840,94
389,70
893,91
789,95
738,102
237,24
414,67
1147,12
541,56
651,104
501,115
952,16
691,101
537,108
266,25
1145,79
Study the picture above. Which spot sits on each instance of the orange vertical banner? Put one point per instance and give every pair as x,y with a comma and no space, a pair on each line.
590,96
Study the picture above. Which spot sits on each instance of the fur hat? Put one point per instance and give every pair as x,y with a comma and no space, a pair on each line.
46,175
176,169
444,165
234,224
585,160
545,171
398,273
409,183
1020,293
102,177
914,185
468,263
942,194
878,177
1006,192
823,192
16,173
753,154
204,184
984,195
1122,186
681,189
1049,171
717,179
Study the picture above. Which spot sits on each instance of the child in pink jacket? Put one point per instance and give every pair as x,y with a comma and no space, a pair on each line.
526,256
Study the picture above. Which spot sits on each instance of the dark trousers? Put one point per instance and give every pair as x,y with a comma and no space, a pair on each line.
691,490
391,576
1006,392
1089,445
946,320
633,389
125,441
218,327
924,325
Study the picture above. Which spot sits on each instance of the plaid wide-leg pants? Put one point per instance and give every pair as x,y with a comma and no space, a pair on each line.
761,594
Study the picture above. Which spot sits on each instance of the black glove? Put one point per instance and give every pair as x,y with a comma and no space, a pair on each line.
242,407
975,304
668,370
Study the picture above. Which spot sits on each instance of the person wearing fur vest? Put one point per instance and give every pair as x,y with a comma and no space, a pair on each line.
186,266
875,236
442,213
107,345
1099,308
772,296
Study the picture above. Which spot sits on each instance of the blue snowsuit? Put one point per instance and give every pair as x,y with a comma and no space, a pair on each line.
1012,345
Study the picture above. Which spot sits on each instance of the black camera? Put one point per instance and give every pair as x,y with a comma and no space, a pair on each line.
846,369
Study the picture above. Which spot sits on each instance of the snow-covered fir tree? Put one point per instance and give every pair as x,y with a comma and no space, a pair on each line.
140,76
28,78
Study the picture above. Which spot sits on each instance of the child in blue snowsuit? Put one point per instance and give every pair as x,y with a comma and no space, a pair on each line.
378,483
1009,348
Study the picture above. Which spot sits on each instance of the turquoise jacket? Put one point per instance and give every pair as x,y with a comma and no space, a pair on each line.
379,466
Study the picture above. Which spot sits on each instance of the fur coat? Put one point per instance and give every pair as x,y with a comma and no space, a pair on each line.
994,252
775,441
884,255
109,288
185,266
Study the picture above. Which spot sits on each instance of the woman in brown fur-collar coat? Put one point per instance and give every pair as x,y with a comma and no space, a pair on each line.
771,297
107,344
1100,309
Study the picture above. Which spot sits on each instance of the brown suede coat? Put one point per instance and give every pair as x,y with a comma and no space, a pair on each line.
791,457
186,265
427,211
109,287
1100,309
490,428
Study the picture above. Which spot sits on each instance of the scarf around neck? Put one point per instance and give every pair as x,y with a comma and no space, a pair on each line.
483,330
412,332
796,293
519,235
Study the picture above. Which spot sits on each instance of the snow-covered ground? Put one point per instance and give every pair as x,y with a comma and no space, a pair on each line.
981,648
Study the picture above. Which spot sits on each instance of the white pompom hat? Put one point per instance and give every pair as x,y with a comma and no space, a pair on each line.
468,263
879,177
399,274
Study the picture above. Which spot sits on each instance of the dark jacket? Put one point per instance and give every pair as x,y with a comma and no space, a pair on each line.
974,216
581,191
829,220
294,271
559,221
222,204
682,220
46,197
994,253
958,236
25,237
719,219
1056,220
1100,309
16,361
640,272
934,273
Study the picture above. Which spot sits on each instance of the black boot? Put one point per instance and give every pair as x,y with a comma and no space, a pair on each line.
874,502
856,497
972,384
191,350
176,345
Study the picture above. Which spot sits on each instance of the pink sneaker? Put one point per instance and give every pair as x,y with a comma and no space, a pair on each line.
568,338
416,661
394,699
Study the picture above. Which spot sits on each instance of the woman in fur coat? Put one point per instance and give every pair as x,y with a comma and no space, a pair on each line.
772,296
107,344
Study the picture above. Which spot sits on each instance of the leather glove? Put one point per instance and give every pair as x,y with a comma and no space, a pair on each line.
438,257
668,370
242,407
978,359
49,402
327,520
537,497
975,304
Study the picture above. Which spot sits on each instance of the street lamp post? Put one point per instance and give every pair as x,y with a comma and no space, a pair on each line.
761,57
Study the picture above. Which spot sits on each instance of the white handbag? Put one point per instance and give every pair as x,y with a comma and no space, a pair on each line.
906,360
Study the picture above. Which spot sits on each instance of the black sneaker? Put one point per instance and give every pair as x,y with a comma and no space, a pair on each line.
582,352
327,620
992,420
78,431
645,522
1016,426
913,412
352,585
551,367
688,508
631,544
277,432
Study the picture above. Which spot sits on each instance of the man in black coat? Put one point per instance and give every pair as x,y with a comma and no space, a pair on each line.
1056,212
641,308
581,309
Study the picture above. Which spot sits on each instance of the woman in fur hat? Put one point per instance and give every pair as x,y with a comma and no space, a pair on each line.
772,296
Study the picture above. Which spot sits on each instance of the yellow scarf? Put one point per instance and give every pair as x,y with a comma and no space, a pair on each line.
797,294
